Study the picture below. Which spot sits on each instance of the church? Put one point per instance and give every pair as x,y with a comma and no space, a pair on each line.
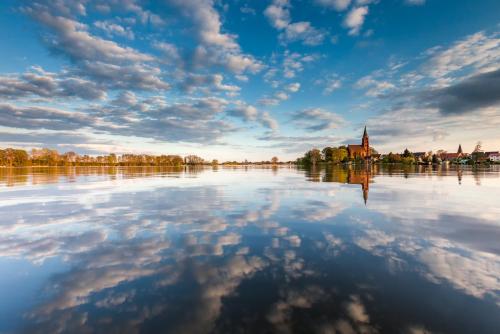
362,151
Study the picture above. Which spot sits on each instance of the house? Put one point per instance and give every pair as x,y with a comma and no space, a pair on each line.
449,156
453,156
420,156
493,156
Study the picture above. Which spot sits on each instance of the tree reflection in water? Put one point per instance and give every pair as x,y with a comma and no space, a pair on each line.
250,250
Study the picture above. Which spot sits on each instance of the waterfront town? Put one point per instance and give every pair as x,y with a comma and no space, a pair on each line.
364,153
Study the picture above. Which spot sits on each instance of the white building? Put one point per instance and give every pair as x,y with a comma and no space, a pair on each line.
494,157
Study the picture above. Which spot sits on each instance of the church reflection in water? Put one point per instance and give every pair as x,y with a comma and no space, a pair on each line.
366,174
351,174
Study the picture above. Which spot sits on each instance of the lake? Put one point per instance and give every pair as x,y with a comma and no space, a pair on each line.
250,250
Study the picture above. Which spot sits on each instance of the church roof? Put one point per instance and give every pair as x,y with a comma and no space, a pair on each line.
354,148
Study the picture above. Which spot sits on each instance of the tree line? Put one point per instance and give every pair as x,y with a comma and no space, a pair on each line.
334,155
10,157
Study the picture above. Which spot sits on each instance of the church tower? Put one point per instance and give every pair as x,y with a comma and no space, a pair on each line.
365,142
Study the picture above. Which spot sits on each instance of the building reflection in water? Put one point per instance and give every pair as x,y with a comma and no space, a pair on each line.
362,175
366,174
250,250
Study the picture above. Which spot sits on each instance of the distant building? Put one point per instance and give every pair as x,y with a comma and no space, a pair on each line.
453,156
362,151
493,156
420,156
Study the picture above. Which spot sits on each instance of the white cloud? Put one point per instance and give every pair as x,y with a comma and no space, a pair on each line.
479,51
269,122
207,22
74,40
303,31
355,19
210,82
331,83
338,5
215,47
281,96
415,2
169,50
278,13
373,86
293,87
244,111
317,119
114,29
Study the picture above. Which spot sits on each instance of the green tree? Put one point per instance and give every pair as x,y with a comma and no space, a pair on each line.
338,155
327,153
314,156
193,160
478,154
407,153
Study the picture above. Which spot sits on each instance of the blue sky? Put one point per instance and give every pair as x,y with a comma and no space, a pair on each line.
249,79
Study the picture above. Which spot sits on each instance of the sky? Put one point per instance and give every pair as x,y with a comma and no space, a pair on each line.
236,79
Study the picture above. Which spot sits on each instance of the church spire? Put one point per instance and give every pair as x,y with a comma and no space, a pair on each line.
460,149
365,134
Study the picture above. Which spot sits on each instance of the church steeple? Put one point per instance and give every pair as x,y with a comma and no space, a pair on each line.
365,143
460,149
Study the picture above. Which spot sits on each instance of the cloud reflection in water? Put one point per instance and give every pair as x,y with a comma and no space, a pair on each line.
250,250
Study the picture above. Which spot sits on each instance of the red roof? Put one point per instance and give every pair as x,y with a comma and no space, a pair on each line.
449,156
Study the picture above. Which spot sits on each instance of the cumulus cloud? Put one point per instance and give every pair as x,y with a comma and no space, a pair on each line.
131,76
73,39
293,87
244,111
39,83
43,118
355,19
317,119
215,47
278,14
111,29
212,81
293,63
374,87
103,60
207,22
268,122
304,32
191,122
478,52
456,80
170,52
143,16
338,5
331,83
275,99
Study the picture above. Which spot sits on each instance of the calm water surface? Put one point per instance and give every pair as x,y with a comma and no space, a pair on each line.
250,250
